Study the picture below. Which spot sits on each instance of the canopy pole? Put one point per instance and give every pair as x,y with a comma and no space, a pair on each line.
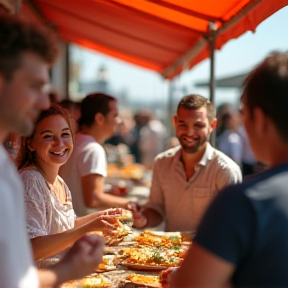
67,71
170,108
212,40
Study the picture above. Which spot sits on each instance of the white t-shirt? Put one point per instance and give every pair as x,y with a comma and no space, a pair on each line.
17,269
88,157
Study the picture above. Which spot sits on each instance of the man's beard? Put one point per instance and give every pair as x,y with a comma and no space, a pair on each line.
195,148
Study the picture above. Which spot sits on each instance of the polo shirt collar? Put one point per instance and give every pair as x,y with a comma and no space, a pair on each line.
208,155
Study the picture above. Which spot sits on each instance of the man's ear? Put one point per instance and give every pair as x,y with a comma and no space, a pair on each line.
174,120
99,118
214,124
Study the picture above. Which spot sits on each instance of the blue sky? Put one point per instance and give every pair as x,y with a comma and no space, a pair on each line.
237,56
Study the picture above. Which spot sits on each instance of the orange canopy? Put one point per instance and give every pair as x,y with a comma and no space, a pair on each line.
163,35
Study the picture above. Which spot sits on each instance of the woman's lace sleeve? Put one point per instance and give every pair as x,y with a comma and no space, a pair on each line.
36,204
69,199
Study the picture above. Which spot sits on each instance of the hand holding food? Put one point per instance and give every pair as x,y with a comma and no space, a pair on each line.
111,211
105,223
139,220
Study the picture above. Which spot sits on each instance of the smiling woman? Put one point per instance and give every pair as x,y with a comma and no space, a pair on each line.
51,221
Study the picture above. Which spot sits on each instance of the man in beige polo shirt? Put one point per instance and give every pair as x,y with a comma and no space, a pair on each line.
186,178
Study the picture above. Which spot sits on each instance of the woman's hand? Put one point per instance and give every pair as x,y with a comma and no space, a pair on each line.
105,223
111,211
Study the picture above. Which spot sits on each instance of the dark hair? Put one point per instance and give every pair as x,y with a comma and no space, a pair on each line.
91,105
194,101
68,104
266,87
25,156
225,118
18,37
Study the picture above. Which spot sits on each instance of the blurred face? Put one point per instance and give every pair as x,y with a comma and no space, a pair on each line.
52,141
192,129
233,122
111,119
22,97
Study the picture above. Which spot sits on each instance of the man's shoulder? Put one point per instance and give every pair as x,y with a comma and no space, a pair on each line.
168,155
86,143
263,185
223,161
268,183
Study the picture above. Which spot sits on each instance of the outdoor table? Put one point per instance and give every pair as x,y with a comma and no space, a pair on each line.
117,276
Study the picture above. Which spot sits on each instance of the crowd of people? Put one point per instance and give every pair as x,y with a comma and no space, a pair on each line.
46,198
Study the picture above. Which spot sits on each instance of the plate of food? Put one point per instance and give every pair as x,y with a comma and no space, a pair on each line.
149,258
153,238
98,281
108,263
93,281
138,280
70,284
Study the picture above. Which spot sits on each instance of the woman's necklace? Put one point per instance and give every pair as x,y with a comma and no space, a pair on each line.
49,186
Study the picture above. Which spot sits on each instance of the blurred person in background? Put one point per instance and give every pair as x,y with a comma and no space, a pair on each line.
74,110
229,141
242,240
26,54
150,136
86,169
186,178
171,143
53,96
222,109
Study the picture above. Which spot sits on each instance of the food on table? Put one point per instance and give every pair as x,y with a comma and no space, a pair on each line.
126,217
149,238
150,256
108,263
133,171
144,280
98,281
70,284
119,234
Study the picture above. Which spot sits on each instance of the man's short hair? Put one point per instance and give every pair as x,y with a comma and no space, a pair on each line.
194,101
91,105
266,87
18,37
